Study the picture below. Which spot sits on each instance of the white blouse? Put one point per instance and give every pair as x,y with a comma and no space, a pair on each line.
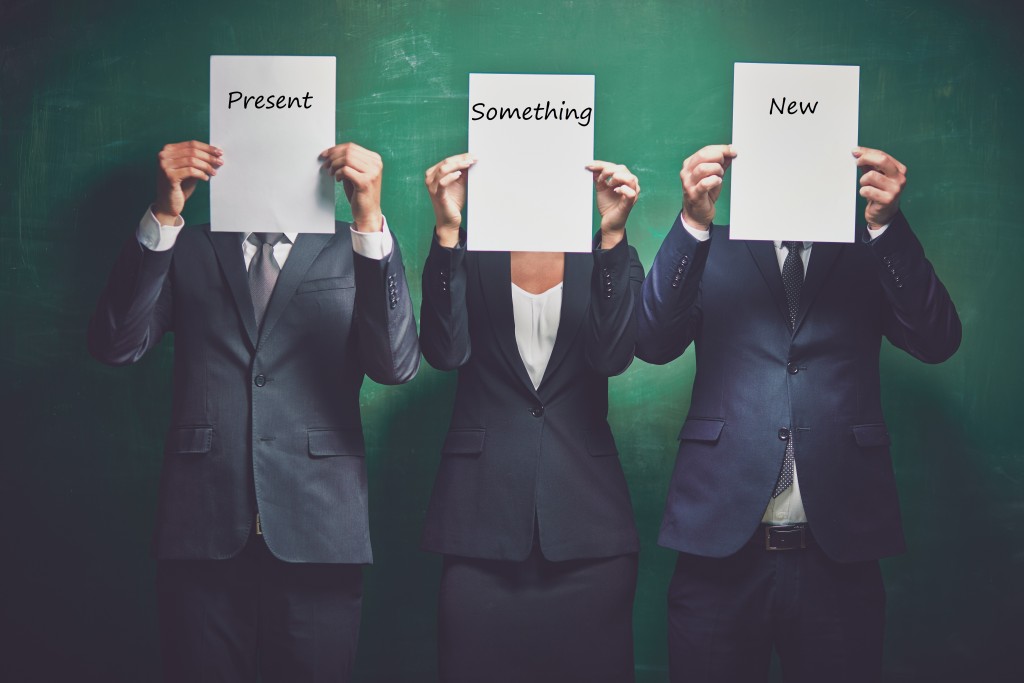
536,319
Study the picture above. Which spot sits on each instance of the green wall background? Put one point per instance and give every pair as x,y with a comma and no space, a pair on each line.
91,90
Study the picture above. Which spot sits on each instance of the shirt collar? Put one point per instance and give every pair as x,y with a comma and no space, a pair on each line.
778,244
290,235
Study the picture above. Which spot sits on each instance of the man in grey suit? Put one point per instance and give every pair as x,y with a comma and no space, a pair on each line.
262,514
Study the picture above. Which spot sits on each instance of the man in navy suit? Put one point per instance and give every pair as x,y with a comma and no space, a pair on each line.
262,525
783,497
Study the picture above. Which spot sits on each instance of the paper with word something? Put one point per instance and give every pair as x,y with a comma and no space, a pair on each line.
794,128
272,116
532,136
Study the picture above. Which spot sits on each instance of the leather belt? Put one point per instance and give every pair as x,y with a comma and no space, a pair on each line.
783,537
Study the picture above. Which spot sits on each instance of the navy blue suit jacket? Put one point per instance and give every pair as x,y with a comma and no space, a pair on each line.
758,383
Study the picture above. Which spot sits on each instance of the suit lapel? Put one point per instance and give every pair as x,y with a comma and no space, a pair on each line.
763,252
228,247
823,256
496,285
575,300
307,247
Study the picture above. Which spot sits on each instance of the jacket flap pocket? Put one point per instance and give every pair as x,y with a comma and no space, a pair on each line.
326,443
701,429
326,283
871,435
464,441
601,442
189,440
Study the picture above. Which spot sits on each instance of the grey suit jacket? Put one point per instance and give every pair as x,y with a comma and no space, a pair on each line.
263,420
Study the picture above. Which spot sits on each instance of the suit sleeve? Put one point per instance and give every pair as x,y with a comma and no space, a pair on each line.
921,318
614,302
135,308
444,333
670,312
385,323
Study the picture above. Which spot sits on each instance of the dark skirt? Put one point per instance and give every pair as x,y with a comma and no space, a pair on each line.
537,621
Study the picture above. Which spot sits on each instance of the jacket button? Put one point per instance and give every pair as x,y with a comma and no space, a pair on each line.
259,380
783,434
792,368
537,411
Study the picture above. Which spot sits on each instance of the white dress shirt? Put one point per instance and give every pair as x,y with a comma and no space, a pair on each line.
156,237
536,319
788,506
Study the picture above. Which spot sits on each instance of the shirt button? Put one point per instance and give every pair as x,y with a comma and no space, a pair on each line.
537,411
783,434
259,380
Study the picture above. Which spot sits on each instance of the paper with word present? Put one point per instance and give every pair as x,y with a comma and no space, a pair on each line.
532,136
272,116
794,127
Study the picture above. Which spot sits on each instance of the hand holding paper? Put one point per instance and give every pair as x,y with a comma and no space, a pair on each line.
446,183
702,175
617,191
881,185
182,165
360,171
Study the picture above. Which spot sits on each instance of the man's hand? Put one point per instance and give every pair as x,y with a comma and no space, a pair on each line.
617,192
360,171
446,183
182,165
881,185
702,183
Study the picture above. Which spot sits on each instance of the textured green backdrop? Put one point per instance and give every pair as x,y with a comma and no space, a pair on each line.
91,90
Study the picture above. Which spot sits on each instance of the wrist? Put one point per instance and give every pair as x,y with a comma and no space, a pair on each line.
611,238
373,222
447,237
164,215
695,223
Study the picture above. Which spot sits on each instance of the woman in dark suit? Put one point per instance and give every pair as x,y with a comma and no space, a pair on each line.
530,507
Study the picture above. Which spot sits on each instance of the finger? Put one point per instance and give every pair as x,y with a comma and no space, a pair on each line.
180,174
702,171
874,194
597,166
452,164
719,154
185,162
184,152
709,183
623,178
627,191
193,145
878,160
449,179
608,171
882,182
359,180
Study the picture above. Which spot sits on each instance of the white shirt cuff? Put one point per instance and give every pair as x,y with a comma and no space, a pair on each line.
156,237
699,235
373,245
875,233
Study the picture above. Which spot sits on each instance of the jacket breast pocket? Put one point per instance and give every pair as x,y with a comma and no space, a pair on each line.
701,429
330,443
185,440
326,283
464,442
871,435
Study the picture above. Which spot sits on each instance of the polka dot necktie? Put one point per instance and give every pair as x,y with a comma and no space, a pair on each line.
793,280
263,271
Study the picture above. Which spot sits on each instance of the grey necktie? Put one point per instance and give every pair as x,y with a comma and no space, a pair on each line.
793,280
263,271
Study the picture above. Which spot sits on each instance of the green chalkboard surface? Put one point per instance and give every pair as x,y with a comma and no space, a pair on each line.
89,92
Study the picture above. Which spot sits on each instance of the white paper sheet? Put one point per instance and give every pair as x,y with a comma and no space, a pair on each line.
530,190
794,177
271,179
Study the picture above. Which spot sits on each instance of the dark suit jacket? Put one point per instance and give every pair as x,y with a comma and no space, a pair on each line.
515,454
757,382
266,421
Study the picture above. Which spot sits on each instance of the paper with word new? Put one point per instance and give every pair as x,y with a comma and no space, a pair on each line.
794,127
532,136
272,116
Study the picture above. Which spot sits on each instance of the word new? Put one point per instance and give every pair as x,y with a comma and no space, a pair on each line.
539,112
269,101
791,108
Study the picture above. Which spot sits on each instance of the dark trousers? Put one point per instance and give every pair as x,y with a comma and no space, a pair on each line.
221,620
825,619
